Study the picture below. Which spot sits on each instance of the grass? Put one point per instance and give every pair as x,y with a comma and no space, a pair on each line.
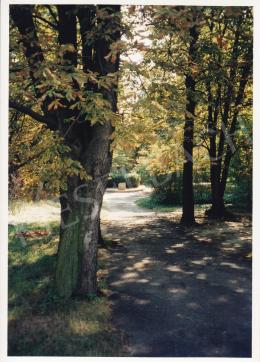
42,324
152,204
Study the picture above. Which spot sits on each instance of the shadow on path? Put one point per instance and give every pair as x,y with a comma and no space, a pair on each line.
181,293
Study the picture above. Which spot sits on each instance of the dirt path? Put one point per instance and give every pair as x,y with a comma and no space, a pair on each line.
178,292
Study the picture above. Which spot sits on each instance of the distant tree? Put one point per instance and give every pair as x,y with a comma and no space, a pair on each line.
226,78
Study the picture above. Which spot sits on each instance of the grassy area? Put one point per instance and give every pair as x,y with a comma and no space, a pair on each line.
40,323
152,204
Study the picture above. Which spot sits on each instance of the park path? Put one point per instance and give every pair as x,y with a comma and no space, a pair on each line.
177,292
122,205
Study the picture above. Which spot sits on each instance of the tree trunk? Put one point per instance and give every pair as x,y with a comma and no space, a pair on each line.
217,209
187,185
76,267
80,219
187,188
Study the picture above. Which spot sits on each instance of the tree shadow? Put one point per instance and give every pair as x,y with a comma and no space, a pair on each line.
182,292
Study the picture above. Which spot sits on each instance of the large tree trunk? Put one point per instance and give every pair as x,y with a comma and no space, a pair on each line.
187,188
80,219
76,267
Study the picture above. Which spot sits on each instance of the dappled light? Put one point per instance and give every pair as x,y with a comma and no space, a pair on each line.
166,278
232,265
202,276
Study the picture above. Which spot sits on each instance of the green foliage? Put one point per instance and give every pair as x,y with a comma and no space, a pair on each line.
152,203
39,161
168,191
115,179
171,193
153,99
165,195
68,94
133,179
145,176
241,193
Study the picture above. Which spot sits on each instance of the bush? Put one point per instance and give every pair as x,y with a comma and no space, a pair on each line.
240,193
171,194
146,178
202,193
168,189
110,182
133,180
115,179
166,196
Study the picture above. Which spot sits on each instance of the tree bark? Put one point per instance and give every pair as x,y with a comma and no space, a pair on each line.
77,258
187,188
80,214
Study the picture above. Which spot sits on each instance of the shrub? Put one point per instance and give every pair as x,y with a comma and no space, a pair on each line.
166,196
240,193
114,179
110,182
133,180
202,193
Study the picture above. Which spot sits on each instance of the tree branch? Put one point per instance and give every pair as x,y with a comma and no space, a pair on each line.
24,109
13,167
53,26
52,14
